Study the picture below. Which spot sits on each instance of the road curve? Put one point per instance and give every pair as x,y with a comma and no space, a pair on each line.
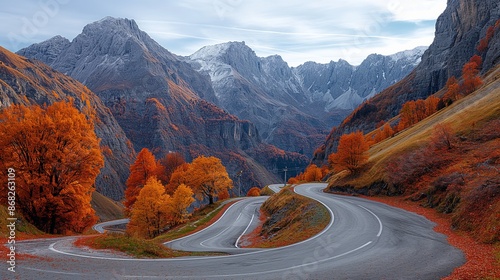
366,240
224,234
105,226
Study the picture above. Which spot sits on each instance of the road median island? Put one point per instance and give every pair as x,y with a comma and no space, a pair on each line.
154,248
287,218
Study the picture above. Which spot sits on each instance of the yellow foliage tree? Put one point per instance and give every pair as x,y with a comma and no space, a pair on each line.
208,178
181,200
152,212
56,157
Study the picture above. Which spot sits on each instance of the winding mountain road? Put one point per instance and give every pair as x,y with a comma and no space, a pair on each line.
365,240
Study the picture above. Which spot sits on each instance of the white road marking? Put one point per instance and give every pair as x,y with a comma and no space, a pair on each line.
238,240
376,217
227,210
52,271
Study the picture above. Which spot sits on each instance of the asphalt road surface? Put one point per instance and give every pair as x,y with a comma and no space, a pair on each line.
365,240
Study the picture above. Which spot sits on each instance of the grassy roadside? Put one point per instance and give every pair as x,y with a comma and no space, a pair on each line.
287,218
135,247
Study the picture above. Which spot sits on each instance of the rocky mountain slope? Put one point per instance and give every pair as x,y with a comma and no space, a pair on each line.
24,81
160,101
458,32
339,85
293,107
262,90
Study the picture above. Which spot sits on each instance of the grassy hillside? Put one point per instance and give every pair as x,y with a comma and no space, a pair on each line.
106,209
461,180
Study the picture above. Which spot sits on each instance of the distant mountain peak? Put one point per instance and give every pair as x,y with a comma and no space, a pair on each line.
214,51
113,25
411,54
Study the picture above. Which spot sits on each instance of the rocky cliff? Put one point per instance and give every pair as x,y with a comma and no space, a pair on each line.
458,32
23,81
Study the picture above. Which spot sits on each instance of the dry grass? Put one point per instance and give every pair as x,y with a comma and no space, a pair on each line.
287,218
471,111
105,208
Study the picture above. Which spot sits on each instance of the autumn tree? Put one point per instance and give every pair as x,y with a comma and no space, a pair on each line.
414,111
313,173
470,75
293,181
223,195
167,166
443,136
152,211
452,90
56,157
383,133
181,200
208,177
352,152
431,105
141,170
255,191
180,176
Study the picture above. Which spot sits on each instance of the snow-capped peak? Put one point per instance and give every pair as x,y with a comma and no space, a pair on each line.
409,54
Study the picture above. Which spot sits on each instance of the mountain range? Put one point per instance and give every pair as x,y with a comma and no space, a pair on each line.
160,101
256,114
459,30
294,107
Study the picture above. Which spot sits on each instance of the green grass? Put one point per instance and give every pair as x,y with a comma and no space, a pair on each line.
22,226
135,247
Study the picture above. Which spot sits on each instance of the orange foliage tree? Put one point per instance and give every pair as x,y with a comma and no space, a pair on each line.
152,212
414,111
313,173
255,191
56,157
178,177
167,166
223,195
141,170
383,133
443,136
452,90
470,75
351,152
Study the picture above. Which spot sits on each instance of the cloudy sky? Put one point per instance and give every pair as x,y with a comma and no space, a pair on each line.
299,31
